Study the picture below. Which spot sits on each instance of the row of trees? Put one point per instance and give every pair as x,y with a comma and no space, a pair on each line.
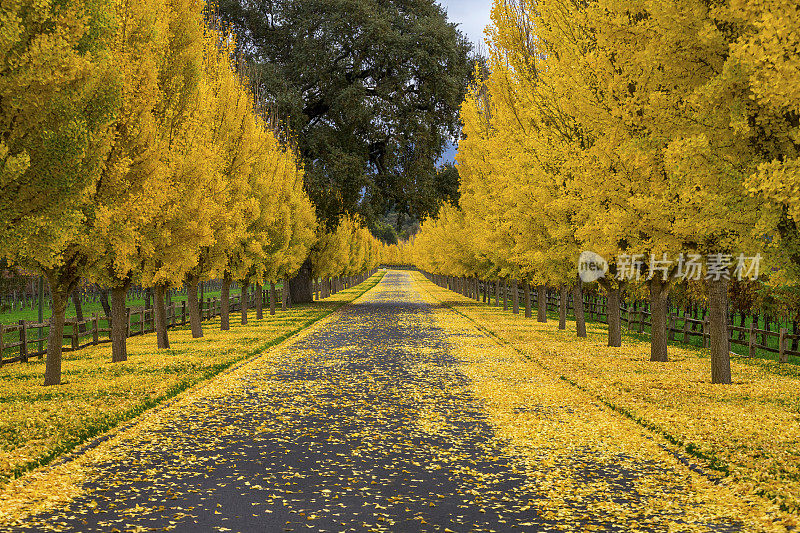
629,127
132,151
348,250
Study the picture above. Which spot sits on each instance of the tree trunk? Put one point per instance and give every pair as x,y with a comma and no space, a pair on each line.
496,293
245,300
300,285
505,295
577,304
271,297
119,325
202,299
659,319
541,303
225,303
159,304
742,321
55,337
526,287
192,283
563,294
515,296
104,302
612,312
283,295
76,301
259,302
718,324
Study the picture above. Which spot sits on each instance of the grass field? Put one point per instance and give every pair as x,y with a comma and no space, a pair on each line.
39,423
747,433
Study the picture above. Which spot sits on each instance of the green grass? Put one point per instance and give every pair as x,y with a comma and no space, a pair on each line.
32,314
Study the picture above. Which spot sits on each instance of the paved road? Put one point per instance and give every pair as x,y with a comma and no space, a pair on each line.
364,424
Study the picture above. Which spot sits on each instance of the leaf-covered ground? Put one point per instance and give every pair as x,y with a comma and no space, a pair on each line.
38,423
396,414
746,434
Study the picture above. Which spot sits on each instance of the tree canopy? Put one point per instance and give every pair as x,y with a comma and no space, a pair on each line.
373,89
662,131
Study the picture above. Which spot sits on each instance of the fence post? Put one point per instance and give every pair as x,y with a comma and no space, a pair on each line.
672,323
751,341
706,334
128,319
783,357
75,329
23,338
95,329
183,313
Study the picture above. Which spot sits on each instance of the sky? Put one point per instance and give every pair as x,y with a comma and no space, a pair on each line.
472,16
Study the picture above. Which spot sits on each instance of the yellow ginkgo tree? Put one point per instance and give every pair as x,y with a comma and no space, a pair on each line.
59,94
172,241
131,189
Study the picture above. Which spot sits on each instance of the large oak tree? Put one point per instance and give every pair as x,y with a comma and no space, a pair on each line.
373,89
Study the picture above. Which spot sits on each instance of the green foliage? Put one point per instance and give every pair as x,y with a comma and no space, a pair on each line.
372,90
383,232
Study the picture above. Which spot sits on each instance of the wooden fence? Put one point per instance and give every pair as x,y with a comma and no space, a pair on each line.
682,326
97,329
25,340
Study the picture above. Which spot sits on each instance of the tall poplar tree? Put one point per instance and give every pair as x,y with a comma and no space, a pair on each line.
131,189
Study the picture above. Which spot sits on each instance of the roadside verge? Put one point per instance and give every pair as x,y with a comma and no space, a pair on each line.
99,398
